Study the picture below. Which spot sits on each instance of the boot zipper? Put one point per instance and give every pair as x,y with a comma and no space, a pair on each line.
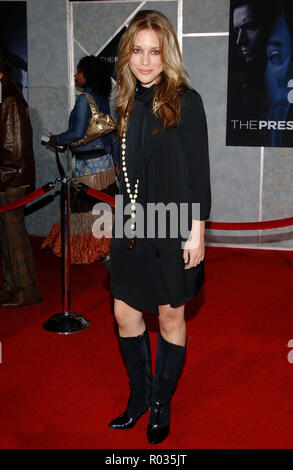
149,372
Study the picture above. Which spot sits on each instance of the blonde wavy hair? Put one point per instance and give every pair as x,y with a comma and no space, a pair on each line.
167,100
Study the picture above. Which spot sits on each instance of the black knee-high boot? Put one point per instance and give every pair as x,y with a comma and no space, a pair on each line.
137,354
169,362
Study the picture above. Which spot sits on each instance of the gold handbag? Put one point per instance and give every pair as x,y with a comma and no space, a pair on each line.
99,124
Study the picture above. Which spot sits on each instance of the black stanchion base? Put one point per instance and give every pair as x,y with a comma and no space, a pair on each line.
66,323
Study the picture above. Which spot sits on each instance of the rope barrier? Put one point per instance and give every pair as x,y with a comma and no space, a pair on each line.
100,195
28,198
96,193
266,224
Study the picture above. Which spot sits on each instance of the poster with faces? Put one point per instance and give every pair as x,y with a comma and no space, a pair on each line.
260,74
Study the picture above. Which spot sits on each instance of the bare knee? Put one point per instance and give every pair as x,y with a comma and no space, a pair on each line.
129,320
171,319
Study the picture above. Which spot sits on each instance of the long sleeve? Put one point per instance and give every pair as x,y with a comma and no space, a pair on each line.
78,123
10,146
194,138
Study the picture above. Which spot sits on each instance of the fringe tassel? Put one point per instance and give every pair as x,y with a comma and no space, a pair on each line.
84,249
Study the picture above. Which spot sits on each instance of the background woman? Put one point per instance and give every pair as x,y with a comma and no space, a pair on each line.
163,131
94,158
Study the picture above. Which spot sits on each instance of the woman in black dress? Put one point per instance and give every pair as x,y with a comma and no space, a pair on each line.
154,266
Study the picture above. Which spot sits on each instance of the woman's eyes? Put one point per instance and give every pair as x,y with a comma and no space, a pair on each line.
154,52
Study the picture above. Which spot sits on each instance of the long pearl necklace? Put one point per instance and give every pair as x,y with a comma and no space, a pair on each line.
132,196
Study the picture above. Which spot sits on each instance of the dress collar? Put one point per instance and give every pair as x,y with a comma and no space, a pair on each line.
144,94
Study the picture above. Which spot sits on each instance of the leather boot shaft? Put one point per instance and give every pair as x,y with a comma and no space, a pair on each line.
137,355
169,362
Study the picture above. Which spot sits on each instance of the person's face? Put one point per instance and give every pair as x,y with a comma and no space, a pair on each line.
279,69
145,61
248,31
80,81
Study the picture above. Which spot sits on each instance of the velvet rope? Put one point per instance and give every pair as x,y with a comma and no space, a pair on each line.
96,193
28,198
267,224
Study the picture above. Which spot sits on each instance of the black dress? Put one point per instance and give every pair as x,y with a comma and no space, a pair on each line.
173,167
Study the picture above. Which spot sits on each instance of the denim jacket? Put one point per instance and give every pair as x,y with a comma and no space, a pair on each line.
78,124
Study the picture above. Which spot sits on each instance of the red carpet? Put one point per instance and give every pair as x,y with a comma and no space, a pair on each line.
61,391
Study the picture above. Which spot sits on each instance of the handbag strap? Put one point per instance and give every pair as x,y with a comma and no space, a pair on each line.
92,103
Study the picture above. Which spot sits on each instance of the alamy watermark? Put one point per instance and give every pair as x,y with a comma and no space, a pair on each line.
155,220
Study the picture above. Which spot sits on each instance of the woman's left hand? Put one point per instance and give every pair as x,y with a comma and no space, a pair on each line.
194,248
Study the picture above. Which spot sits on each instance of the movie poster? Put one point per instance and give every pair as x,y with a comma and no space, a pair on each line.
109,53
13,34
260,74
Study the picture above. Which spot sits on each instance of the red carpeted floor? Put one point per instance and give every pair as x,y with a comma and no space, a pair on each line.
60,392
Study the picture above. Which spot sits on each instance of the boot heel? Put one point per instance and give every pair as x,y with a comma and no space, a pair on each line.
157,433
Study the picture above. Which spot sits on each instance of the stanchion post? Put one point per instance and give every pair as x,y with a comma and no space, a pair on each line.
66,322
65,232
